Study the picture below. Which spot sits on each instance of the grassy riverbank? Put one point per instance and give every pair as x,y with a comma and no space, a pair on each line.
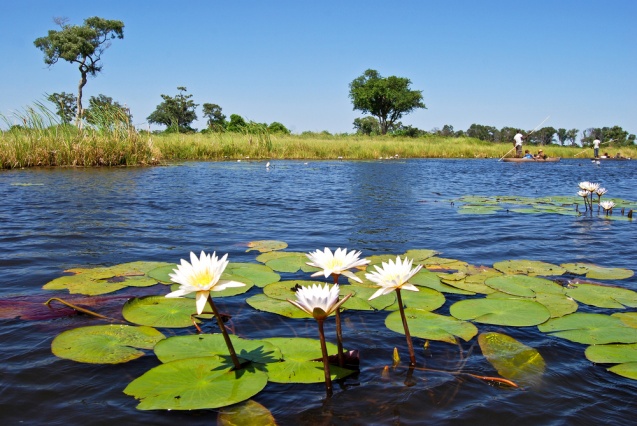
39,145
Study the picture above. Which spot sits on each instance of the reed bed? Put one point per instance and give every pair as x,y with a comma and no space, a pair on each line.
41,140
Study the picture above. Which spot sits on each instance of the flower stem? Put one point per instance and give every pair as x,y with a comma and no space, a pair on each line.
339,331
226,337
410,345
326,365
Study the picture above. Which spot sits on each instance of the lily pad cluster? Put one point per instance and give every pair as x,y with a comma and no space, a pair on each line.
563,205
195,371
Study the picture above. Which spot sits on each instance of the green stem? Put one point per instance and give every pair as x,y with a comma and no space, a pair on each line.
226,337
410,345
326,365
339,331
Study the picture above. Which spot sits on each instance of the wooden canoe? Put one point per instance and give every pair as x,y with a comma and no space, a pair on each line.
531,160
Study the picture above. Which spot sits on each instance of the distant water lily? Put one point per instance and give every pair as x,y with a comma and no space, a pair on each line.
395,277
589,186
201,276
320,302
600,191
336,264
607,206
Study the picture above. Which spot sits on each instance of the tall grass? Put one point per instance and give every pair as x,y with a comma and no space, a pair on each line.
35,137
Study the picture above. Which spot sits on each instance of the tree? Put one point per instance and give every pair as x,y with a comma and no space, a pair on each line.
561,135
216,120
102,111
82,45
276,127
236,124
387,99
484,133
507,134
543,136
176,113
66,105
367,125
571,135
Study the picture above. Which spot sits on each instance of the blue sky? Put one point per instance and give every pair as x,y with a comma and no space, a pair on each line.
492,62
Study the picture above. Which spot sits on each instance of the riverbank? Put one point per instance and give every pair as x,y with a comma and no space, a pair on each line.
66,146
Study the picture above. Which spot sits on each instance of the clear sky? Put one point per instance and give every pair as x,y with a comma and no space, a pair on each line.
491,62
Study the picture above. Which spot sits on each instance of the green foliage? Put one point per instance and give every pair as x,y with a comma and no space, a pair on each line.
543,136
619,136
216,121
65,104
176,113
387,99
276,127
103,112
367,125
82,45
236,124
512,359
484,133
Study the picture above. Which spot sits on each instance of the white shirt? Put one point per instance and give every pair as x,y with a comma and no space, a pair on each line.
596,143
518,139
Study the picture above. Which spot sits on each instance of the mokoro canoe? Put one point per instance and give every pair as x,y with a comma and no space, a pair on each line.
531,160
610,159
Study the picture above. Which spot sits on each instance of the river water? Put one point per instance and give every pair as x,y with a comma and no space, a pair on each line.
55,219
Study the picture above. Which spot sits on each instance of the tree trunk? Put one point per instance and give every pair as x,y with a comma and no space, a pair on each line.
80,110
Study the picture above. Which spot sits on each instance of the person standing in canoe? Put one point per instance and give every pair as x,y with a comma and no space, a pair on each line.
517,142
596,143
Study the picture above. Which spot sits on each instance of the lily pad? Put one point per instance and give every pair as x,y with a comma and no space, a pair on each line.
105,344
603,296
513,360
199,345
528,267
473,209
248,413
301,361
598,272
264,246
195,383
523,285
418,255
612,354
511,312
284,290
264,303
628,318
425,298
627,369
360,300
427,325
160,311
590,329
291,262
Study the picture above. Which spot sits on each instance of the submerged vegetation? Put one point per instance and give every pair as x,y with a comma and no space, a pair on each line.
41,139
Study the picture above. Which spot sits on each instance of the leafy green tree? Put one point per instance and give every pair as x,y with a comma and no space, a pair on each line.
484,133
407,131
367,125
82,45
103,111
176,113
216,121
447,131
543,136
571,135
276,127
236,124
65,104
507,134
387,99
561,135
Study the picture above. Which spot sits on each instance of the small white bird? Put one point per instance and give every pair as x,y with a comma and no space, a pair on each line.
267,165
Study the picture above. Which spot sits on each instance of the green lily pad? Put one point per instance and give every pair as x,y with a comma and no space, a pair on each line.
603,296
528,267
264,246
195,383
628,318
418,255
291,262
300,364
248,413
469,283
103,280
160,311
511,312
473,209
598,272
627,369
612,354
427,325
523,285
200,345
105,344
425,298
443,263
513,360
264,303
558,305
284,290
590,329
360,300
259,275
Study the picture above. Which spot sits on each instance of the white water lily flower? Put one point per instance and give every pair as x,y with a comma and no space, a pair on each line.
583,193
393,276
589,186
318,301
607,205
601,191
337,263
201,275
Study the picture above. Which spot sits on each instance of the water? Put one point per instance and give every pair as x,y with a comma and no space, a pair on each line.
54,219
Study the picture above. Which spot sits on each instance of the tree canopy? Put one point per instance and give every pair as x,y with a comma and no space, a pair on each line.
176,113
65,105
80,44
105,112
216,121
386,98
